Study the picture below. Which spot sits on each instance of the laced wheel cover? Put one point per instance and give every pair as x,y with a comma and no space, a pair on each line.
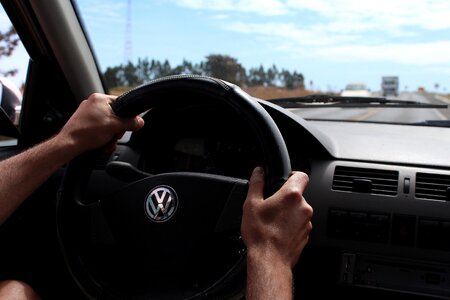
171,235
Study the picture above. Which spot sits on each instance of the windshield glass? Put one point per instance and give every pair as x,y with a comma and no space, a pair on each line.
399,49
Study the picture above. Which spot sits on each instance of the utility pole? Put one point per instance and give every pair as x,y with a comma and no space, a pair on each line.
128,53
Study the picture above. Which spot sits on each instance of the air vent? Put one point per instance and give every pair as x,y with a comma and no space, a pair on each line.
433,186
371,181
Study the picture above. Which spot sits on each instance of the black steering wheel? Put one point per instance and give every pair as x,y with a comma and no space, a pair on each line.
170,235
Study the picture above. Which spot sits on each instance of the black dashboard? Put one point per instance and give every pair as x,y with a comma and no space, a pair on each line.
380,192
381,199
205,138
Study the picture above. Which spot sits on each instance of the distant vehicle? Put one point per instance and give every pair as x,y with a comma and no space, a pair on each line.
356,90
389,86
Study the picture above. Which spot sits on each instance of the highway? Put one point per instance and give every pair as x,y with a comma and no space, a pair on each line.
381,114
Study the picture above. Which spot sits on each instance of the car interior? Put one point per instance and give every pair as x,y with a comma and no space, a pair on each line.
380,191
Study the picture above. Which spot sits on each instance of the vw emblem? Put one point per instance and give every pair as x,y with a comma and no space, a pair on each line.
161,203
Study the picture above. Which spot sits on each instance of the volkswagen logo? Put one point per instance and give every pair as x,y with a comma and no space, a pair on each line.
161,203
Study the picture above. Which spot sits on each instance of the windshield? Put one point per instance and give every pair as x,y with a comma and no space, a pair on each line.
397,49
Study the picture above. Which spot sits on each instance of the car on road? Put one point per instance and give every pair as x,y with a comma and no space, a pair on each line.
379,170
356,90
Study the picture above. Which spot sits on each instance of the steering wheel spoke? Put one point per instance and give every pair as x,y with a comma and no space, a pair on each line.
170,206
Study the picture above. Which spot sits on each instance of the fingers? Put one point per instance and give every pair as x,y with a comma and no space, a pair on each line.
256,184
138,123
112,98
130,124
299,180
294,187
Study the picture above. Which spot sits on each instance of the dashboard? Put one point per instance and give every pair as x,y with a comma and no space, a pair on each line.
202,138
381,199
381,223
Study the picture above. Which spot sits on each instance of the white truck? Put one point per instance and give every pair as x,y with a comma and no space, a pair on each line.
389,86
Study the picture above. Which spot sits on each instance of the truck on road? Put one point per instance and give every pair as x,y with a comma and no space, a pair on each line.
389,85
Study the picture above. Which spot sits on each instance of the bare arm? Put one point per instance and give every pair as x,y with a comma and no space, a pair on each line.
275,232
93,125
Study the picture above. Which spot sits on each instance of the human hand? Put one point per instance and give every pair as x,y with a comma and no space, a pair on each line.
94,125
276,229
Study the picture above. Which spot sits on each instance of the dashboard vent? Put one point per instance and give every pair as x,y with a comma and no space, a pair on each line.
433,186
362,180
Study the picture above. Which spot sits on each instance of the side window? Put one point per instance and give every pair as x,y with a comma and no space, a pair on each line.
13,67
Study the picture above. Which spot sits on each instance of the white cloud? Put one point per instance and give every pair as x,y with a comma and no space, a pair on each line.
342,30
393,17
99,13
418,54
316,41
383,14
221,16
290,33
260,7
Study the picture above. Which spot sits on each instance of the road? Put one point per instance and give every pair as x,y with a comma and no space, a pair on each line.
380,114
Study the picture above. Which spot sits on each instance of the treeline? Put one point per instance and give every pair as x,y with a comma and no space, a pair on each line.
215,65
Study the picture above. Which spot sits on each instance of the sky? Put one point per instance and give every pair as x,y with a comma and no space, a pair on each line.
331,42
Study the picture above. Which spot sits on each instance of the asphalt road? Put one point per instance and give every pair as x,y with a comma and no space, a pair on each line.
380,114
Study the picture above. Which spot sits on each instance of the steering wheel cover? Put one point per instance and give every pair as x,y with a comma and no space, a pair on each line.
138,101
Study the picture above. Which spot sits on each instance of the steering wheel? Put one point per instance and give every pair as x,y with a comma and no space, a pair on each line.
170,235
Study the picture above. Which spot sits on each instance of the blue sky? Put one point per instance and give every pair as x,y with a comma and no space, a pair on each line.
331,42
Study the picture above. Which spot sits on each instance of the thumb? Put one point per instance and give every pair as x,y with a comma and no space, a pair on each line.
134,124
256,184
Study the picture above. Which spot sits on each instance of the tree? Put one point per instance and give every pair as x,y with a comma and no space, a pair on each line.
225,67
292,80
130,76
187,67
112,77
9,41
143,70
216,65
257,76
165,69
272,76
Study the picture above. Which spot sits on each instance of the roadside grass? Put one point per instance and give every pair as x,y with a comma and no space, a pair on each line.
271,92
119,90
262,92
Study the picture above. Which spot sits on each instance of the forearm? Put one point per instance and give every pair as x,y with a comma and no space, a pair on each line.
23,173
267,278
93,125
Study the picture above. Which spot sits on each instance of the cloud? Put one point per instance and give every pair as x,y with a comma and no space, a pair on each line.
260,7
110,12
318,42
288,33
399,31
418,54
392,17
382,14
